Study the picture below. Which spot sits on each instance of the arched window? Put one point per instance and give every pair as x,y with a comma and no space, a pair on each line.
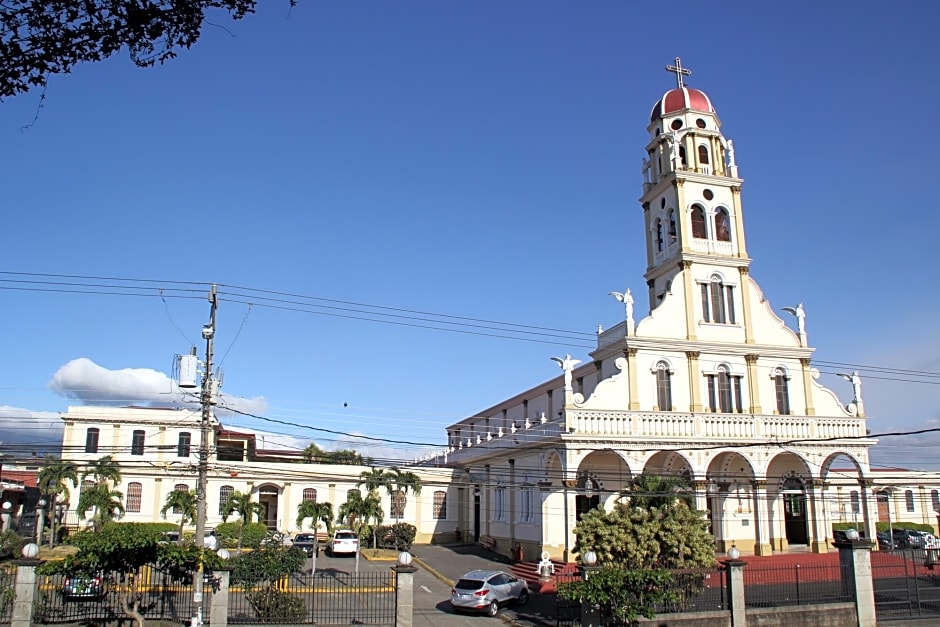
663,387
179,487
724,391
935,500
310,494
183,446
703,154
137,442
673,233
659,235
722,225
224,493
91,440
398,505
682,156
440,505
856,502
134,491
717,301
782,392
909,501
698,222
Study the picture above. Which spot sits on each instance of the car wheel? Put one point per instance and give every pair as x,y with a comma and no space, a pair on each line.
493,609
523,597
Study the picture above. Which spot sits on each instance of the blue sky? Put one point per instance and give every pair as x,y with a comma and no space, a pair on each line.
476,159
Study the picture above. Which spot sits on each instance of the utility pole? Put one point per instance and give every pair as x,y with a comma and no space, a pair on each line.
208,332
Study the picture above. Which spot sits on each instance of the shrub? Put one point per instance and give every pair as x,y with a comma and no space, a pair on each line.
11,543
399,536
278,607
252,535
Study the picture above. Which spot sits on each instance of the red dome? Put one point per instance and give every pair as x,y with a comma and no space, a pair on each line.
679,99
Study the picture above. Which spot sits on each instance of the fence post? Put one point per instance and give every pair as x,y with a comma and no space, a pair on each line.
24,592
855,562
218,608
590,613
735,570
404,593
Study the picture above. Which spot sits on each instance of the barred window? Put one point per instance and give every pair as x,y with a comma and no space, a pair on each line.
856,502
179,487
663,386
398,505
224,492
499,503
440,505
935,500
909,500
134,491
527,513
310,494
91,440
781,388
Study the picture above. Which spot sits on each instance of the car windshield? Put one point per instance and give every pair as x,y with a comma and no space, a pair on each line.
303,537
469,584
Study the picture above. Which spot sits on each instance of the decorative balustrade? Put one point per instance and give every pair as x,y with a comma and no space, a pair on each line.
651,426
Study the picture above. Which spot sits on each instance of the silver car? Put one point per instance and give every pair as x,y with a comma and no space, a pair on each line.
488,590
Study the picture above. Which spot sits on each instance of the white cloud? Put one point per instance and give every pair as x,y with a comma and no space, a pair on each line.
85,381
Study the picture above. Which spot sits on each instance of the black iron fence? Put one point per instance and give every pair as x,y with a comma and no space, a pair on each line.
906,584
102,597
323,598
794,584
7,587
697,590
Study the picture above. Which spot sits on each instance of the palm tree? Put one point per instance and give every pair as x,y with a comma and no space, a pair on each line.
52,483
358,511
103,470
107,503
242,505
184,503
403,480
319,512
650,491
373,479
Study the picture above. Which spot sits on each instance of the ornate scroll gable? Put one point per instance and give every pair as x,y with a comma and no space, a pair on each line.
611,393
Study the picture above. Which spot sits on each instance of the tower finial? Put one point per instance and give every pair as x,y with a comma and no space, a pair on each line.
679,71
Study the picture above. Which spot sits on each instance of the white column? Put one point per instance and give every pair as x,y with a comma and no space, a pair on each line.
761,519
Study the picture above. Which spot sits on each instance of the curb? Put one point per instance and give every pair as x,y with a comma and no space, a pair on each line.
420,562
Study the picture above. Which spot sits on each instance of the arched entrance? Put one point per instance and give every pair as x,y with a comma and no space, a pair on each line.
794,511
588,497
267,497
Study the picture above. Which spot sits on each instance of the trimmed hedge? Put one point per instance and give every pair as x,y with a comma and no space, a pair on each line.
252,535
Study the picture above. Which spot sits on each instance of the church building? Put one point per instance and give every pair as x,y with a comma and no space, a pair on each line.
711,386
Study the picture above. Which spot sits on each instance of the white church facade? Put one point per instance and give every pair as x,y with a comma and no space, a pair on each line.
711,386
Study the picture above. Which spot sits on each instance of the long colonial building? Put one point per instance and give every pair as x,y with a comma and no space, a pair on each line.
711,385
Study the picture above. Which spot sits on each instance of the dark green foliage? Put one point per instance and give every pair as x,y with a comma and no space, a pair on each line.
252,534
623,595
670,536
11,544
39,39
258,573
883,526
399,536
277,607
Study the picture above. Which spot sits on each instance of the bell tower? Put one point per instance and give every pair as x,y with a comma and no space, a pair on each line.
692,205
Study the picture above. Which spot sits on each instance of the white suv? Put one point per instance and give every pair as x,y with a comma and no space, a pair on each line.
343,541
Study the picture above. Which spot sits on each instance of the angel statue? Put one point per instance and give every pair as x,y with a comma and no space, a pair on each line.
627,299
567,364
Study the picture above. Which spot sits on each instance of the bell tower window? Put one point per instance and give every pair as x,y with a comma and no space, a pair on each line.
717,301
703,154
722,225
698,222
682,156
659,235
673,234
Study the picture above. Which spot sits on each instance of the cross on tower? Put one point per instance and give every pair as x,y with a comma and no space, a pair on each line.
679,70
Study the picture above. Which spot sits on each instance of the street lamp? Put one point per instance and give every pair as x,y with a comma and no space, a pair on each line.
733,553
590,558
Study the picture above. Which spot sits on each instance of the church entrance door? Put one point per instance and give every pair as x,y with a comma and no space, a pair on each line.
794,516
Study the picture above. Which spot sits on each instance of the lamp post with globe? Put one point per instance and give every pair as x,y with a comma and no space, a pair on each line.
40,518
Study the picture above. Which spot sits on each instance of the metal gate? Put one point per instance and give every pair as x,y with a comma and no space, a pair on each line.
905,586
